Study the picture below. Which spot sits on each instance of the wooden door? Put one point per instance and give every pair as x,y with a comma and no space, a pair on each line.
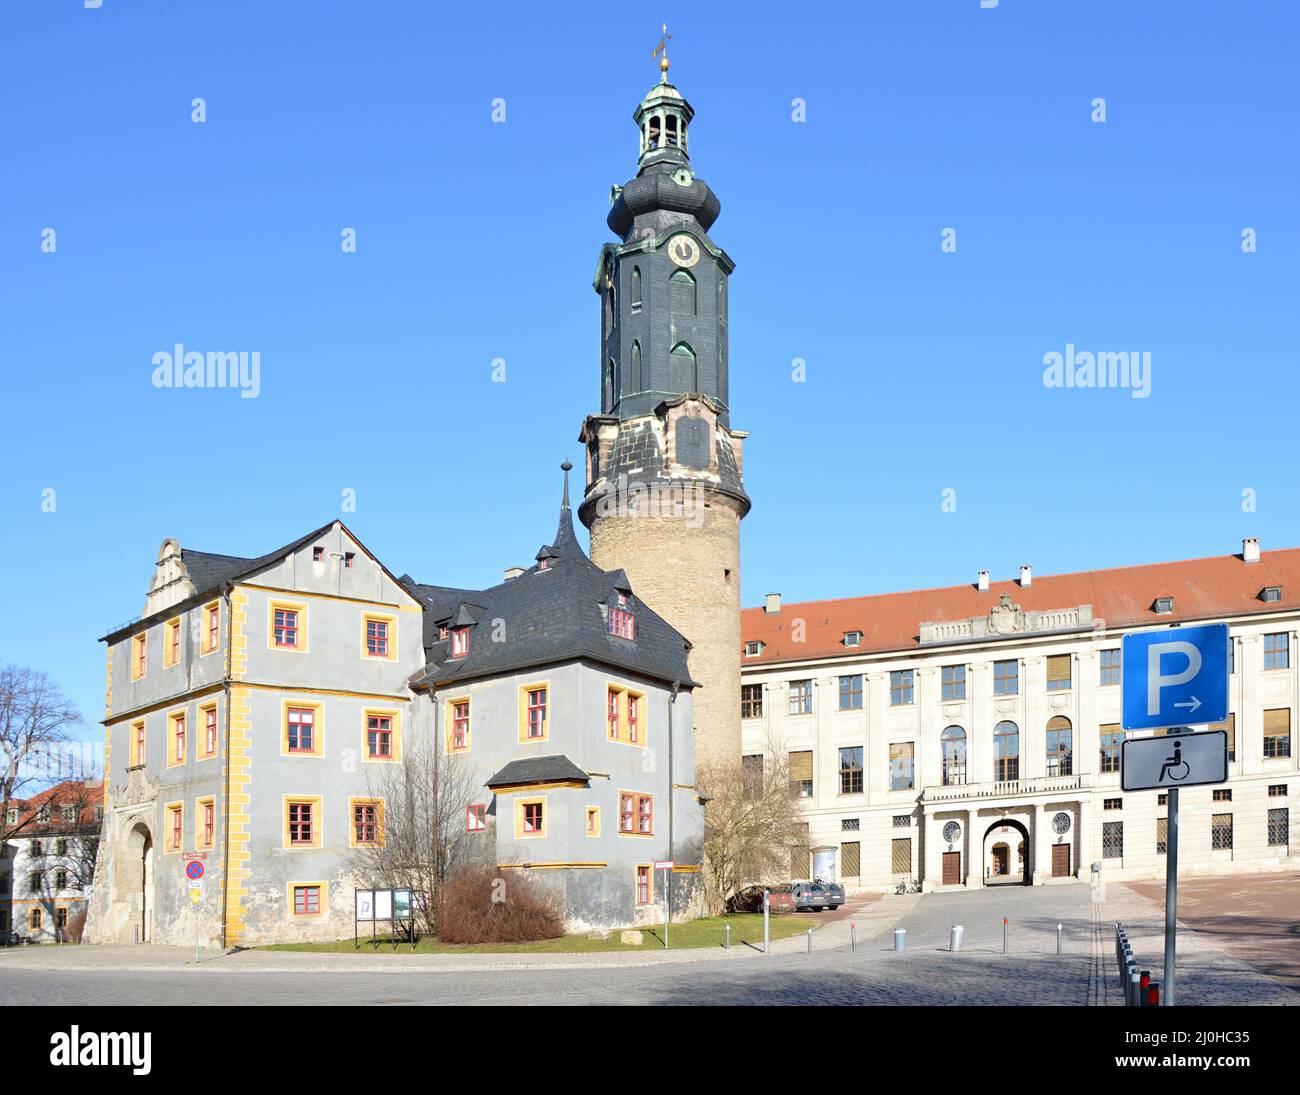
952,868
1060,861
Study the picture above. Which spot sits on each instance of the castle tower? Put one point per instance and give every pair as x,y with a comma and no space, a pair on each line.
664,497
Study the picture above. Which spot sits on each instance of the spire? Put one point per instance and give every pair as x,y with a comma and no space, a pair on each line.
566,541
662,47
566,467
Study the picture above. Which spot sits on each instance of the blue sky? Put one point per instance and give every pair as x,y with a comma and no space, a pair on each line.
477,241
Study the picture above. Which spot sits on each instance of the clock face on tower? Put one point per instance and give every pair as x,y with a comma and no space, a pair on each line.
1061,823
683,250
951,832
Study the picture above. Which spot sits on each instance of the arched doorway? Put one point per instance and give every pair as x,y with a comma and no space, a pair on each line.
139,879
1005,847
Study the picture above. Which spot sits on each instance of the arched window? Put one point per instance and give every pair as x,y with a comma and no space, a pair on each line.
609,385
722,300
681,295
1060,747
670,130
1006,751
636,288
635,379
652,139
953,743
682,369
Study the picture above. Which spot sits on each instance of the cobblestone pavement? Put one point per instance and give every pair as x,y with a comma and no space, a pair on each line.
1029,974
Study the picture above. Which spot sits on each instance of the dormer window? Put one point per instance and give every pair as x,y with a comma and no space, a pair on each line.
349,559
1270,594
544,564
621,621
1164,605
442,634
459,642
853,638
753,649
317,554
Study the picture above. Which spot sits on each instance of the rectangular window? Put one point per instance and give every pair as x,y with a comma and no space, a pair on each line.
1277,790
306,900
34,919
286,627
209,730
900,687
379,732
1113,804
1279,827
850,859
851,692
139,656
635,813
593,821
801,773
1111,737
1059,672
365,823
476,817
534,820
1277,732
953,683
622,623
137,756
318,555
1112,840
901,776
850,824
175,739
301,729
1162,835
643,886
60,918
851,770
208,822
1006,678
1277,651
1221,832
349,560
751,770
175,827
61,845
34,881
612,713
801,697
751,701
633,717
902,821
211,628
60,880
900,856
1110,666
623,716
302,823
459,642
459,726
376,638
536,725
1229,727
172,651
1222,794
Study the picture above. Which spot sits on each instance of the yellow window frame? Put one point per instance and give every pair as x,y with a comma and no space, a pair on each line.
593,813
364,800
139,655
524,689
208,609
449,725
520,803
173,626
132,745
317,728
391,621
199,843
317,804
169,829
201,743
624,730
174,717
395,717
323,910
288,606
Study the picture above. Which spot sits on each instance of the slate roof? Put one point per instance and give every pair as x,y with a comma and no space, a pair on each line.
1202,589
548,616
537,770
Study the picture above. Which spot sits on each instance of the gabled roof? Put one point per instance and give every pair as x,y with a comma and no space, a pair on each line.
73,792
552,769
1203,589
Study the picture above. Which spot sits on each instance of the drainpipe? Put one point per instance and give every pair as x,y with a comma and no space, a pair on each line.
225,801
672,796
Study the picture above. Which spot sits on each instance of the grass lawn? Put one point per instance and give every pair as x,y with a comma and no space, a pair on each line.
745,928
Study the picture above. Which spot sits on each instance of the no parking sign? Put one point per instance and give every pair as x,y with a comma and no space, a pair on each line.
194,870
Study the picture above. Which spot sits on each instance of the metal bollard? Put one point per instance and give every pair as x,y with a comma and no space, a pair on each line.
1144,979
810,940
900,939
1153,994
1134,990
727,944
853,936
955,934
1004,935
1058,937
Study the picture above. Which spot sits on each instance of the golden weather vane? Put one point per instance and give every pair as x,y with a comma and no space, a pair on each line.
662,47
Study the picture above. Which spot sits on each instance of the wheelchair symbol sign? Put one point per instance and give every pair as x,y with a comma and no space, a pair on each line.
1174,760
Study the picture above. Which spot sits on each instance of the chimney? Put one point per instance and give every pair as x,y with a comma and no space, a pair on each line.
1250,549
773,605
513,572
982,582
1026,576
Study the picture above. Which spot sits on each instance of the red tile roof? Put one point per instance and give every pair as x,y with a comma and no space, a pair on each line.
86,793
1211,588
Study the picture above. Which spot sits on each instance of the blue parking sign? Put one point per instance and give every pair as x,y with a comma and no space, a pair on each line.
1175,677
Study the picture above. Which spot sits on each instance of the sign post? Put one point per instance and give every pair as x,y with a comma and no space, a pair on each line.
1168,677
194,872
666,865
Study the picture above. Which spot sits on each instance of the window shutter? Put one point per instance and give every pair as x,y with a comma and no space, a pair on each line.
850,860
801,767
1058,667
901,858
1277,721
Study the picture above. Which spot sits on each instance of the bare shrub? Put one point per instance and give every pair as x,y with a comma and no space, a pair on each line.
485,905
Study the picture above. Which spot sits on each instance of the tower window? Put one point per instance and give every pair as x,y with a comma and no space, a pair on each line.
636,288
635,379
670,130
653,133
681,287
682,369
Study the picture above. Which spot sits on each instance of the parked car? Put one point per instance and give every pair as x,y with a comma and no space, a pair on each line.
815,896
750,899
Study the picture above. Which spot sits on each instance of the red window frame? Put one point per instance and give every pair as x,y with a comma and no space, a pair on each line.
636,813
139,744
214,626
622,623
178,827
460,725
645,815
534,817
459,642
306,900
643,885
286,627
141,655
379,736
210,729
301,828
593,821
613,713
476,817
209,823
365,821
377,638
179,735
174,642
349,559
626,813
537,712
633,716
300,731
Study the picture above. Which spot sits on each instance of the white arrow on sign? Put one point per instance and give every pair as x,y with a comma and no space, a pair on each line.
1193,703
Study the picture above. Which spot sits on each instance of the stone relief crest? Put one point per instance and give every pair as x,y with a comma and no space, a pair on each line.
1006,618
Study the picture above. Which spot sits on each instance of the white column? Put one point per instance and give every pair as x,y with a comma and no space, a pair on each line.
932,870
1041,865
1083,868
974,865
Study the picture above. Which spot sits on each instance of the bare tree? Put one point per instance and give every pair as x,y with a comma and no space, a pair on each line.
36,719
752,825
423,836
